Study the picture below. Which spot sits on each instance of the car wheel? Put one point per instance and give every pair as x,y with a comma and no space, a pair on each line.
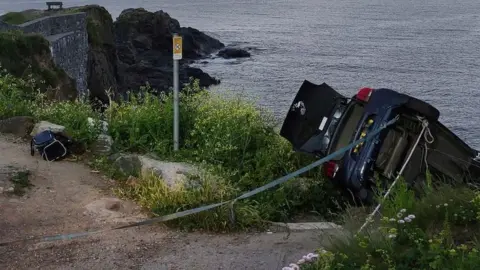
422,108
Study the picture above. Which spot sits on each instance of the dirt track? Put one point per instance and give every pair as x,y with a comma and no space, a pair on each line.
67,197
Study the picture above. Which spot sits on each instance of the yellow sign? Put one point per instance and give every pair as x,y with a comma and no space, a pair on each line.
177,47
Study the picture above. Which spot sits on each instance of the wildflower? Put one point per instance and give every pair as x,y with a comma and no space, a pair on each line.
411,216
452,252
446,204
399,215
392,220
403,210
401,221
407,219
438,206
391,236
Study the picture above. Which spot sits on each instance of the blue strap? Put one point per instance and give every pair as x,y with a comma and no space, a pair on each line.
211,206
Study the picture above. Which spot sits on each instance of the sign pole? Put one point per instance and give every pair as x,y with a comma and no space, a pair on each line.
177,55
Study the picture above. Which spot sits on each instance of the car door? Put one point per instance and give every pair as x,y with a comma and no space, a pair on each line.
310,116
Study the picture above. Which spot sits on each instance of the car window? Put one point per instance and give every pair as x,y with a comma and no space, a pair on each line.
347,127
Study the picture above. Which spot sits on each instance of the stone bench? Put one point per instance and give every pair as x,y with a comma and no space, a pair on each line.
57,4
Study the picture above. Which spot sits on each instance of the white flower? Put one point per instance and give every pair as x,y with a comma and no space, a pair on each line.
399,215
401,221
438,206
445,205
403,210
407,219
392,220
391,236
411,216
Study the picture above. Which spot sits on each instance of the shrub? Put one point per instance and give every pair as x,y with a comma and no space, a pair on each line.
74,116
15,96
228,137
438,231
232,138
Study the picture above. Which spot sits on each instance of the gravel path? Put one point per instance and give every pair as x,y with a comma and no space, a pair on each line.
67,197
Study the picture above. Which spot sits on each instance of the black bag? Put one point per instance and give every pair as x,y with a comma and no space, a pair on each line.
51,146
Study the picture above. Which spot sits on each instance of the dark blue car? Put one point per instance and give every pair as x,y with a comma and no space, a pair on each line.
322,121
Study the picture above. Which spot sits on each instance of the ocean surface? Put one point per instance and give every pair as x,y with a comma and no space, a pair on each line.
429,49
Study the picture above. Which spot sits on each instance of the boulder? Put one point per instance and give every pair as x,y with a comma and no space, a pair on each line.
127,164
102,145
143,41
45,125
20,126
229,53
171,173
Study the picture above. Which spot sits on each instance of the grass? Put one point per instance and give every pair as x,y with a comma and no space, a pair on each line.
229,139
17,18
438,231
28,56
20,181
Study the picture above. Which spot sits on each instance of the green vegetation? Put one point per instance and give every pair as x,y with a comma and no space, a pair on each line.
438,231
229,139
20,182
17,18
28,56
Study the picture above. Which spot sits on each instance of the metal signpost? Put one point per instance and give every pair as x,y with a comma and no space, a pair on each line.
177,55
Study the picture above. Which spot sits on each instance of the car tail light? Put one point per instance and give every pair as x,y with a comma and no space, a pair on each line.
364,94
330,169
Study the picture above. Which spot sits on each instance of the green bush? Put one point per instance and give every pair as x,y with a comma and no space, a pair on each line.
231,137
15,96
438,231
74,116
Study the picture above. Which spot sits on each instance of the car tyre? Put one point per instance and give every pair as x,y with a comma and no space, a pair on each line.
422,108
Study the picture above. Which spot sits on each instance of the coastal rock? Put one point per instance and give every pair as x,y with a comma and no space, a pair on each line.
171,173
229,53
45,125
20,126
102,145
144,46
102,54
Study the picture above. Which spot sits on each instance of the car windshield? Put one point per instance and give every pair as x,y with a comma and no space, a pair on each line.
347,127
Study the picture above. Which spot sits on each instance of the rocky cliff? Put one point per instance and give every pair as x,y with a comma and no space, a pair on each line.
144,47
102,67
136,50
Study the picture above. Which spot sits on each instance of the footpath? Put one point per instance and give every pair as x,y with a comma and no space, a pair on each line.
68,197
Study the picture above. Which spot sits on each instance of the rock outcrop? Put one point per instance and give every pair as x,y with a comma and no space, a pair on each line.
123,55
45,125
229,53
20,126
172,173
144,47
102,67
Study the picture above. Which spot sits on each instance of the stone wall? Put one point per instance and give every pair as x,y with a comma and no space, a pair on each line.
67,34
70,52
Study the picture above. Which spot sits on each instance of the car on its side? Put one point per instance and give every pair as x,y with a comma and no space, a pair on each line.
322,121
